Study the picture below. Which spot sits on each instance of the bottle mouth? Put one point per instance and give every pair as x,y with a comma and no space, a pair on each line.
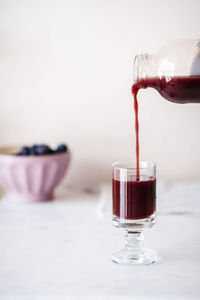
136,68
140,67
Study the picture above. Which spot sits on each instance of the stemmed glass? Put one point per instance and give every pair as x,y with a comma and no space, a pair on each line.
134,208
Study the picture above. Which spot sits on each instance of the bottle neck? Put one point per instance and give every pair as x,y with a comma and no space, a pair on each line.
142,69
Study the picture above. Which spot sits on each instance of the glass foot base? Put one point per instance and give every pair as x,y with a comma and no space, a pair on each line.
130,257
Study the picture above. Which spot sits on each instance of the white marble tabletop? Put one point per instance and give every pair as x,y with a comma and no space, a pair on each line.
62,250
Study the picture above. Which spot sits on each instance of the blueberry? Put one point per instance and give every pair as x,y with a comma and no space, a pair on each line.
50,151
43,149
33,150
24,151
61,148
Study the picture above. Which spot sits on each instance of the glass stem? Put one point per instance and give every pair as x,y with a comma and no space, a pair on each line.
134,241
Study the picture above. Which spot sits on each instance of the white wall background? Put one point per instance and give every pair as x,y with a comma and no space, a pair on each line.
66,73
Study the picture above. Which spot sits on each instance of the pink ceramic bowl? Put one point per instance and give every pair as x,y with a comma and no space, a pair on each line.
31,178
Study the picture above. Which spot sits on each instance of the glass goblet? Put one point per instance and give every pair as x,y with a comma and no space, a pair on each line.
134,209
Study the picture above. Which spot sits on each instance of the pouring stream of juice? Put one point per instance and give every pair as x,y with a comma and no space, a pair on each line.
135,90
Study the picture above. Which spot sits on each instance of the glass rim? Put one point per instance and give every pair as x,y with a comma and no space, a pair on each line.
149,165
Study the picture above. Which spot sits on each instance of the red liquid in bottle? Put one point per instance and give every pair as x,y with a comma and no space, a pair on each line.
177,89
134,199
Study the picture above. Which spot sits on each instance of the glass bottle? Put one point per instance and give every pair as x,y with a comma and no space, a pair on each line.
174,71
